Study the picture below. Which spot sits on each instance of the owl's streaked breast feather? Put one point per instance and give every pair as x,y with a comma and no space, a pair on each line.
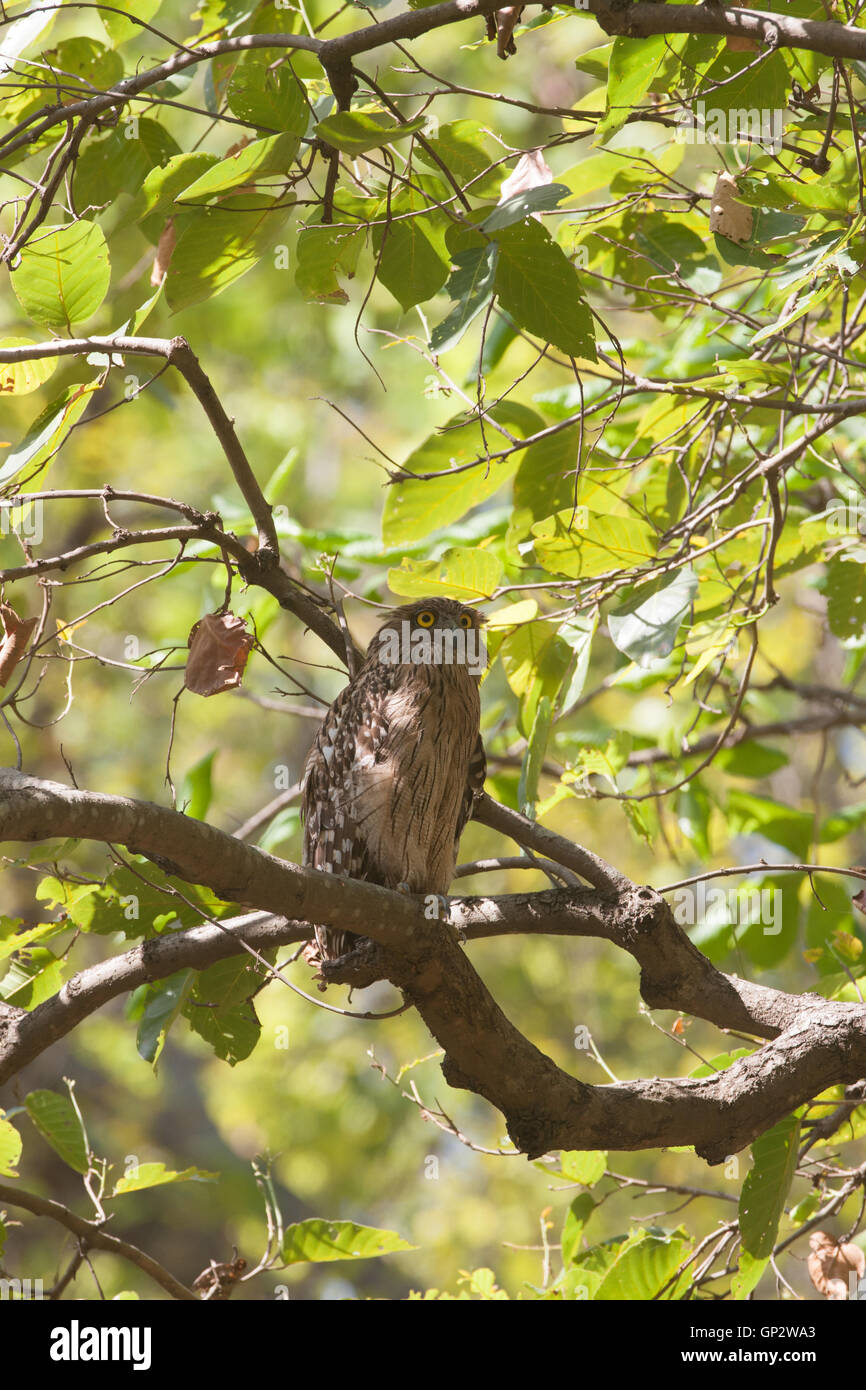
391,779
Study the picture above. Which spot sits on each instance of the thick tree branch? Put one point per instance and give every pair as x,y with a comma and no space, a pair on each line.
335,55
816,1043
774,30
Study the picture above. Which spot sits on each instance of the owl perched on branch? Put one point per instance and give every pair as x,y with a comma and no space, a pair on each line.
398,761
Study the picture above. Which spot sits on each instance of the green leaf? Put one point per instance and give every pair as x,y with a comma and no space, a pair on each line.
58,1122
156,1175
645,627
135,907
693,808
220,245
281,829
747,90
460,146
10,1148
584,1166
721,1062
843,822
751,759
95,65
748,1275
578,631
522,205
322,252
220,1008
415,507
579,1213
522,654
643,1267
410,266
632,67
64,275
597,171
765,1189
272,155
535,660
606,543
764,190
845,591
16,940
266,96
678,251
743,371
539,287
595,61
34,977
355,132
784,825
196,789
544,483
162,1004
74,900
533,758
806,1207
482,1283
232,1032
23,32
162,185
119,30
47,431
462,572
316,1241
120,161
20,378
470,287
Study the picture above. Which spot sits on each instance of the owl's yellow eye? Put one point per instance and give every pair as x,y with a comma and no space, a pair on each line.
425,618
465,620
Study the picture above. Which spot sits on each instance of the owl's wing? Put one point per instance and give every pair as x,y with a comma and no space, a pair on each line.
474,787
351,738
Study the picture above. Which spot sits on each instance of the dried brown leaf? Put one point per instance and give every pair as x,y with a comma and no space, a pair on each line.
831,1265
219,645
164,252
17,633
501,26
728,217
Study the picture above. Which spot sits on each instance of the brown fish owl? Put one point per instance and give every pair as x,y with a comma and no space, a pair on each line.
398,761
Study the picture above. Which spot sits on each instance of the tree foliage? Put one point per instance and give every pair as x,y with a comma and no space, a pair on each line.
615,294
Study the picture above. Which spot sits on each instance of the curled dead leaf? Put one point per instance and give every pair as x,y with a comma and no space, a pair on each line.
164,252
831,1265
16,636
501,26
219,645
530,171
727,216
